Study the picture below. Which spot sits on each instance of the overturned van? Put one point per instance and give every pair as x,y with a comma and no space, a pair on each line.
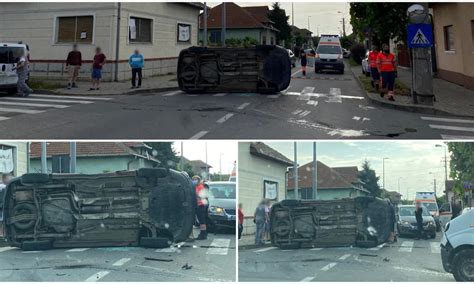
260,69
150,207
360,221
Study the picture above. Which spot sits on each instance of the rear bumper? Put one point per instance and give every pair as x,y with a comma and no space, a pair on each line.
327,65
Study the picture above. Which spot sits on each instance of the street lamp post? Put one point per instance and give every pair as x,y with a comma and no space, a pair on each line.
383,172
445,170
309,28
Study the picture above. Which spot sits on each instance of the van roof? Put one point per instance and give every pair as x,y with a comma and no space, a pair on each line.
8,44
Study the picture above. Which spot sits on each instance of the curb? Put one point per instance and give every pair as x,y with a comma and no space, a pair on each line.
407,108
128,93
254,246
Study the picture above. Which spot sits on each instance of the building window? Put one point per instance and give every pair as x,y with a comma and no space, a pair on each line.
215,37
184,33
448,38
271,41
75,29
60,163
140,30
264,39
270,190
7,159
472,33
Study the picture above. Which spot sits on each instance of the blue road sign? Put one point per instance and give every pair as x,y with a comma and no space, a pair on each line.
420,35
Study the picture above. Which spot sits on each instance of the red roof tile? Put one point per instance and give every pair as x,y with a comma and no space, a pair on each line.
327,177
84,149
236,17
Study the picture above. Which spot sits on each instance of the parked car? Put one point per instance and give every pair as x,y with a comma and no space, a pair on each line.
457,247
407,222
346,53
9,55
150,207
292,58
329,54
360,221
365,65
258,69
222,204
465,210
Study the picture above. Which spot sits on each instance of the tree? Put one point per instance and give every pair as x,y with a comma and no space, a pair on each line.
370,179
461,164
280,21
165,154
383,21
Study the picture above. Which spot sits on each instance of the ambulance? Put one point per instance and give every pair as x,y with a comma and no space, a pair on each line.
329,55
428,199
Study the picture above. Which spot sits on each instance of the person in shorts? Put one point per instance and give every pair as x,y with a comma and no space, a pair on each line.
97,65
73,64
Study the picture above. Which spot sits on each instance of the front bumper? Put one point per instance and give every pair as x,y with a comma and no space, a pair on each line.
226,220
446,250
328,65
412,229
7,86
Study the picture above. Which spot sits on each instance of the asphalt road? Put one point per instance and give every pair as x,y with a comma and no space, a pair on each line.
407,260
319,106
210,260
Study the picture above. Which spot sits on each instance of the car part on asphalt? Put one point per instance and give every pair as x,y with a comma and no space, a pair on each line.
151,207
360,221
260,69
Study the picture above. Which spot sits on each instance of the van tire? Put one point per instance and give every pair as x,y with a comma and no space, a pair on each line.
35,178
461,259
36,245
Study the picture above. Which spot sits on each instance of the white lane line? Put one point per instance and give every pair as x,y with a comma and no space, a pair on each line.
219,246
377,247
199,135
334,95
316,249
77,249
449,127
33,105
435,248
352,97
365,119
31,251
356,118
242,106
168,250
304,113
50,100
329,266
455,120
295,73
273,96
71,97
297,111
406,246
220,95
307,279
225,118
121,261
172,94
265,249
96,277
314,103
7,248
307,90
456,137
344,256
4,118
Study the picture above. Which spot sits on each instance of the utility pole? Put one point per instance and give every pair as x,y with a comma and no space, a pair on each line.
223,24
295,171
434,185
383,172
44,162
343,26
292,14
445,170
315,173
72,157
207,165
181,166
204,33
309,28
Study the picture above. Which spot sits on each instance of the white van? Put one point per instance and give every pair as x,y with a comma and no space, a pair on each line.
428,199
329,55
9,54
457,247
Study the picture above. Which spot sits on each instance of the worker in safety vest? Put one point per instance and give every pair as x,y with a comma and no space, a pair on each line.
387,67
374,72
202,194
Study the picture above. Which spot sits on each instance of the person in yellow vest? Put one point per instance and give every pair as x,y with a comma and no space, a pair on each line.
387,67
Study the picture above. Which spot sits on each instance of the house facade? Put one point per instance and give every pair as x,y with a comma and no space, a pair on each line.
13,158
262,175
453,25
160,30
93,157
241,22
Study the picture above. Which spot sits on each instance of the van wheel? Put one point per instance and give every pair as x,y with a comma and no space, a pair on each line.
463,265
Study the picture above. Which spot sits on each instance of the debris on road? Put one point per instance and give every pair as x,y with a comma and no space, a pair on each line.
158,259
186,267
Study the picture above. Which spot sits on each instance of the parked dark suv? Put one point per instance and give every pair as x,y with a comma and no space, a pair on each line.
150,207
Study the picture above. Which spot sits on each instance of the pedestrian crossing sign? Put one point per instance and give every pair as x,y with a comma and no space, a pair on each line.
420,35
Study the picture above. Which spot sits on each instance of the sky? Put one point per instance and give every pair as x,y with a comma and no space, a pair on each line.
218,153
415,164
322,14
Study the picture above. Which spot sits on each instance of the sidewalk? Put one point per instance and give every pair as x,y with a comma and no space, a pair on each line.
149,85
248,242
451,99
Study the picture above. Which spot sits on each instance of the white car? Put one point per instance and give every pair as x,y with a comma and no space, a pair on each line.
465,210
365,65
9,54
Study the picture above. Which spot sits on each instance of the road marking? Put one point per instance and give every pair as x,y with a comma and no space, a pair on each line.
307,279
50,100
406,246
329,266
456,137
199,135
4,118
352,97
297,111
265,249
455,120
219,246
295,73
449,127
71,97
242,106
316,249
77,249
220,95
7,248
225,118
304,113
121,261
334,95
377,247
365,119
344,256
356,118
314,103
273,96
167,250
435,248
33,105
31,251
172,94
366,107
96,277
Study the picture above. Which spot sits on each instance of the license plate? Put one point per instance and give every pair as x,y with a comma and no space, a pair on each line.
328,66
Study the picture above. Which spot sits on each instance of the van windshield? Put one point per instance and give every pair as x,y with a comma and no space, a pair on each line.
10,54
222,191
431,206
329,49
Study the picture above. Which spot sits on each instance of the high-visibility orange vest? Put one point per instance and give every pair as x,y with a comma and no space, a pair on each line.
386,62
373,58
201,200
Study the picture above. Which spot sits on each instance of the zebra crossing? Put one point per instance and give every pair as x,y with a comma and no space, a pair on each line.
451,128
39,103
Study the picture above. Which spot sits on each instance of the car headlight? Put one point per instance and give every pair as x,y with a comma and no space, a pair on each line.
430,223
404,223
216,210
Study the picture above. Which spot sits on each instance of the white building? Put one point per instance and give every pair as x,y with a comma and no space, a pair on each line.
261,175
158,29
13,158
